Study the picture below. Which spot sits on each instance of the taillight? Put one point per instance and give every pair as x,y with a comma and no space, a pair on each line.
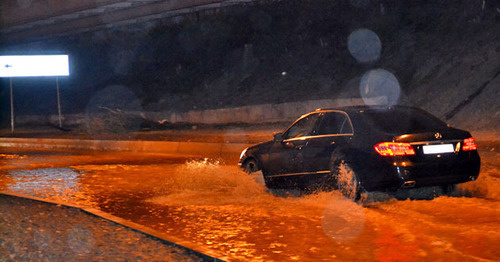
394,149
469,144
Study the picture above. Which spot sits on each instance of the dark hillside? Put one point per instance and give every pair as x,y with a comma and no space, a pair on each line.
440,52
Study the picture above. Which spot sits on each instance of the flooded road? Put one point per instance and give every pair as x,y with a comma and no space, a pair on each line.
219,207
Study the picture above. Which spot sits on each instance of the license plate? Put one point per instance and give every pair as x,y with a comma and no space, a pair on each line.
438,149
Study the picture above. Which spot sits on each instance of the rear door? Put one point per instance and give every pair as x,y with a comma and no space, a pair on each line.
334,130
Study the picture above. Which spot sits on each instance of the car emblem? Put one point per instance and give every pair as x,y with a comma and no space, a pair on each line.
438,135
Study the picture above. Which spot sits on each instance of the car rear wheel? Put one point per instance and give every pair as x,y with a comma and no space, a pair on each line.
346,180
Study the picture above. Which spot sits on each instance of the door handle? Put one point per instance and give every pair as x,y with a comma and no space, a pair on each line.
298,146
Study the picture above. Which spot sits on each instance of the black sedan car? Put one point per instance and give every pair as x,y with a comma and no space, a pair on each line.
361,149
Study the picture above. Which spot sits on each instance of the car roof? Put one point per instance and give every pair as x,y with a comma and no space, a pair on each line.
363,108
389,119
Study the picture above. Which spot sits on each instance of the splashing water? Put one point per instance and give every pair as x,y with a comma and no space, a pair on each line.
207,182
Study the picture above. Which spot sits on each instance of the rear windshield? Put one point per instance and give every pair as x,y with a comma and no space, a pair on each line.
400,121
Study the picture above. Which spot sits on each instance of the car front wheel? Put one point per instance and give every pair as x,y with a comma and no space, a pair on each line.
250,166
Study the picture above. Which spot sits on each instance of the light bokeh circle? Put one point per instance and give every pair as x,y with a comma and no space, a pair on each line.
364,45
379,87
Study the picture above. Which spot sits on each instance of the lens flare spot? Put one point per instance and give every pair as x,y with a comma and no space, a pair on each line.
379,87
364,45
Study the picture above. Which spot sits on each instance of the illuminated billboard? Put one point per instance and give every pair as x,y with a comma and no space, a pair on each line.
34,65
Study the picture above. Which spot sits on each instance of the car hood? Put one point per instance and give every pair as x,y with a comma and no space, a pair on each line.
260,146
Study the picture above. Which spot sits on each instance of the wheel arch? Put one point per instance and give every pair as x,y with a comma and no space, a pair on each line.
258,165
347,155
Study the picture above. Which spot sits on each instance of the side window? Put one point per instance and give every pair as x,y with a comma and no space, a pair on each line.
335,123
303,127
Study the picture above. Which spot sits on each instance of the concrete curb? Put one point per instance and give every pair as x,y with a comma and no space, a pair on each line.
205,254
168,147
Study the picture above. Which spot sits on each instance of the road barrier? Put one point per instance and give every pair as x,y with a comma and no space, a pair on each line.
168,147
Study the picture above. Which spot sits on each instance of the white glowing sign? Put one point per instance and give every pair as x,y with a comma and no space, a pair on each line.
34,65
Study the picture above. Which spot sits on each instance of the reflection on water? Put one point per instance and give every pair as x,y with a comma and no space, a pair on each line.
59,184
343,220
11,156
59,180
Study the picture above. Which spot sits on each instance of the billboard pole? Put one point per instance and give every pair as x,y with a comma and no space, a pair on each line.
11,107
58,102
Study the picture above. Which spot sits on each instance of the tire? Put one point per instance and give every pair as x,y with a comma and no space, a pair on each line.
346,180
250,166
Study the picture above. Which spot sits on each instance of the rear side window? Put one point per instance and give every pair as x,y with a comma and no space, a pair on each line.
334,123
401,121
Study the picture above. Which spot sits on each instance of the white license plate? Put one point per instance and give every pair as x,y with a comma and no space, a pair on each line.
438,149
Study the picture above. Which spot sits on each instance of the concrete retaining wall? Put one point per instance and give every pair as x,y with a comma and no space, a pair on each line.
265,113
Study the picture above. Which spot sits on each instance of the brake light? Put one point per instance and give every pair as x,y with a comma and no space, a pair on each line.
469,144
394,149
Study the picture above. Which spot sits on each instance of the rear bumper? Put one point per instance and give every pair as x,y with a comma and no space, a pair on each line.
405,174
433,175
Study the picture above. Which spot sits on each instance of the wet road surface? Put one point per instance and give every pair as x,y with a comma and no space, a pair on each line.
219,207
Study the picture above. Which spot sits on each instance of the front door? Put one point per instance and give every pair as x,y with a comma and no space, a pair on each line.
285,156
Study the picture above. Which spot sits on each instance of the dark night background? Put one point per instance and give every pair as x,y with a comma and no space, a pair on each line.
273,52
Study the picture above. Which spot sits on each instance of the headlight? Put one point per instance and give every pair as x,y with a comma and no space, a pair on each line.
243,153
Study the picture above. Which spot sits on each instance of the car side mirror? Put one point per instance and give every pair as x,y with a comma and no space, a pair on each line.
278,137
